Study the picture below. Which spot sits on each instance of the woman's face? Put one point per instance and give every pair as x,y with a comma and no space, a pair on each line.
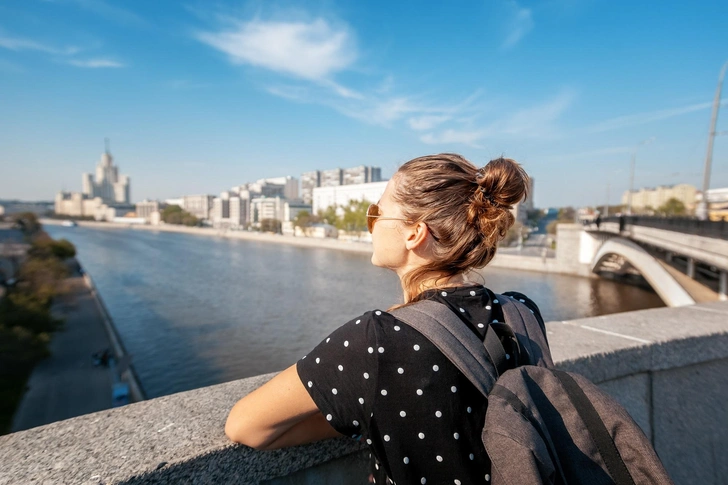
388,239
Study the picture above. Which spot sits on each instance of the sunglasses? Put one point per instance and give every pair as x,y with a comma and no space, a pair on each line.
373,214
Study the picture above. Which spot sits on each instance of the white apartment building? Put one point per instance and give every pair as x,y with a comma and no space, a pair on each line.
286,187
362,174
149,210
655,197
324,197
230,211
197,205
266,208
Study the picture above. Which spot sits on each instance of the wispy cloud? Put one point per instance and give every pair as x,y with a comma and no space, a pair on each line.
450,136
314,54
111,12
19,44
60,54
427,122
96,63
539,122
648,117
520,24
314,51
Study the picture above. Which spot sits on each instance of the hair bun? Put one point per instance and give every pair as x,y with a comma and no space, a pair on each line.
502,183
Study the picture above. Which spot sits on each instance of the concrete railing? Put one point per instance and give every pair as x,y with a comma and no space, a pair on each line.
668,366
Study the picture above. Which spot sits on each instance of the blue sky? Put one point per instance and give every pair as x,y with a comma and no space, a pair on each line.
199,96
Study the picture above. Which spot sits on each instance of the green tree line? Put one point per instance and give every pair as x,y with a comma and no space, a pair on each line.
352,217
174,214
25,317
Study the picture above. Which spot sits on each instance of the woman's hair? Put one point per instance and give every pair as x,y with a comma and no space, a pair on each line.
467,210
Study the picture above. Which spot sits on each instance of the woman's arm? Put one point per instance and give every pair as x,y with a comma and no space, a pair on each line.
280,413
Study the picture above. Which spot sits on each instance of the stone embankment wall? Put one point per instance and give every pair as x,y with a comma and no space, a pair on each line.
667,366
127,374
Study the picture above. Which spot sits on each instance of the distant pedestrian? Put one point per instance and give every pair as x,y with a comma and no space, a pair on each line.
621,223
598,221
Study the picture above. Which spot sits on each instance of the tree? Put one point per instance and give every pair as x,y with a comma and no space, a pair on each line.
567,214
45,247
673,207
329,216
270,225
355,216
27,222
173,214
305,220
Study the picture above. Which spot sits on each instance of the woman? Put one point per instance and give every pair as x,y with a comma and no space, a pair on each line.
375,378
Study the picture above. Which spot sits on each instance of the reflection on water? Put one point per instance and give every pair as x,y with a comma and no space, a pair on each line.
196,310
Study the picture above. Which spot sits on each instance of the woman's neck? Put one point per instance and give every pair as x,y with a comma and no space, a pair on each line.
431,282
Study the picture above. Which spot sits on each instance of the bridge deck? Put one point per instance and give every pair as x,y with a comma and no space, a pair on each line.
699,292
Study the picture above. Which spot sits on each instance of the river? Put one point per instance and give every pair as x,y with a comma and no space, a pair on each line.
197,310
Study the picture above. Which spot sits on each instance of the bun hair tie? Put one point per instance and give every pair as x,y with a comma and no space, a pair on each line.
489,198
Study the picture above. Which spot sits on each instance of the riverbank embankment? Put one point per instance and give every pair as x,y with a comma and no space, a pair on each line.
506,261
67,383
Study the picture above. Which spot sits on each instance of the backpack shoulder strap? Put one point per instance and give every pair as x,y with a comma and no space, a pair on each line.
531,335
596,428
480,362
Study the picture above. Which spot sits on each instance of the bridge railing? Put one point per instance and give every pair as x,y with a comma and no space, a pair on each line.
685,225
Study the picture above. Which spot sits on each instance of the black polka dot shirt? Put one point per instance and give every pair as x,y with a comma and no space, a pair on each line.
377,380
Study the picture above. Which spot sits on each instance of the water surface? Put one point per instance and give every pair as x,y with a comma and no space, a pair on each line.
199,310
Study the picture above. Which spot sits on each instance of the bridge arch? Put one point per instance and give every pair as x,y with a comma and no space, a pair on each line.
671,292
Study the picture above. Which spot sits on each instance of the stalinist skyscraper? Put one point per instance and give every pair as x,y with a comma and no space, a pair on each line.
103,197
109,185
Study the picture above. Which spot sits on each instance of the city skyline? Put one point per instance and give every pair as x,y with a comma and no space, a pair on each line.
247,91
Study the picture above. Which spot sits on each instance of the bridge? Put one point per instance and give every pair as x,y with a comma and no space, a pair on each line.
685,261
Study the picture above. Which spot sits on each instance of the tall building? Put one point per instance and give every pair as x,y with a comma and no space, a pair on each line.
332,177
231,210
197,205
309,181
362,174
106,196
286,187
109,185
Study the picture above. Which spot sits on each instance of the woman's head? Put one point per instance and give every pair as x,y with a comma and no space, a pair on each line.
466,209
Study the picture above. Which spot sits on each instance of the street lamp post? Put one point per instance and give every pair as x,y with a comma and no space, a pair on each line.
631,173
702,211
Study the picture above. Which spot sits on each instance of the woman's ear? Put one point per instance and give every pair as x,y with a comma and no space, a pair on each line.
416,236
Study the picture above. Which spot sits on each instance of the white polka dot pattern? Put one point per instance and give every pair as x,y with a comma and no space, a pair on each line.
397,361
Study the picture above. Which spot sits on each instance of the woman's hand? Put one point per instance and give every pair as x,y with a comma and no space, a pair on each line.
278,414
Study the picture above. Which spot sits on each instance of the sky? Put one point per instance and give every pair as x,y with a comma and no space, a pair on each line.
200,96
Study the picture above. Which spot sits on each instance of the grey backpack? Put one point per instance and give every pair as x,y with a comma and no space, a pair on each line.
542,425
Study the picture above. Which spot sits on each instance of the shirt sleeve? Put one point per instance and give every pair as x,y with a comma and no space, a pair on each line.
340,375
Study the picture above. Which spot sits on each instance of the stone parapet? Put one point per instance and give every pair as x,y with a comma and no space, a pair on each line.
668,366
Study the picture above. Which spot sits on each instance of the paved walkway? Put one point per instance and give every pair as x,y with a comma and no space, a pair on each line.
67,384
